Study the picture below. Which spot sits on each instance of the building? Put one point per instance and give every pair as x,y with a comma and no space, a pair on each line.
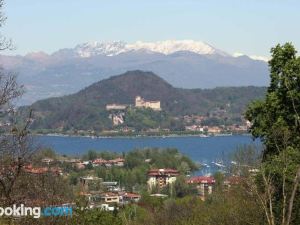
141,103
111,186
204,184
161,177
127,197
99,162
42,170
214,130
47,160
117,162
194,128
108,163
110,197
117,119
35,170
193,119
115,107
97,200
106,207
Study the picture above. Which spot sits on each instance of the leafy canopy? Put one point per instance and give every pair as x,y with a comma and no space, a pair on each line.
276,118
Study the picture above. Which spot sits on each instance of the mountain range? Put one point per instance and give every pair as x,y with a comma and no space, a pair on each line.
184,64
85,110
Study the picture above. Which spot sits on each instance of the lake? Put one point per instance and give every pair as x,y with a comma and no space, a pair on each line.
199,149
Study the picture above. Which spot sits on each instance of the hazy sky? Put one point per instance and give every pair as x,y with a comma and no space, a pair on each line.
247,26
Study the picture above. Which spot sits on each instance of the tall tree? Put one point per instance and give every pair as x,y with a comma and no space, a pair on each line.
276,119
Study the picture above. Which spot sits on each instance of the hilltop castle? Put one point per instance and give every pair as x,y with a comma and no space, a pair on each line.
141,103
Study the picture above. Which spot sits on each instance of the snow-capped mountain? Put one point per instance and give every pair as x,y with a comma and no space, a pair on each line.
90,49
184,64
170,46
254,57
164,47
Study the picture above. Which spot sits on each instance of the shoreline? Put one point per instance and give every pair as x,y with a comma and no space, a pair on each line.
142,135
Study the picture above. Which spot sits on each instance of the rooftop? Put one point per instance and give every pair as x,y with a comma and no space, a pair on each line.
162,172
201,180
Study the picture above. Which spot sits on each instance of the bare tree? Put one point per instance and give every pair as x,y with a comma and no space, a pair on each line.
17,149
9,89
4,42
274,179
267,200
14,146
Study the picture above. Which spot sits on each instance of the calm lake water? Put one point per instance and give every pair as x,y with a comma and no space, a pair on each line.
199,149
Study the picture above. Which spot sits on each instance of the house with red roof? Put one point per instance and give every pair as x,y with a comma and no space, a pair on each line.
42,170
128,197
161,177
204,184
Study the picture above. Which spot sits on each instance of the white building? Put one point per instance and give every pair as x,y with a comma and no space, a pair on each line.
141,103
117,119
115,107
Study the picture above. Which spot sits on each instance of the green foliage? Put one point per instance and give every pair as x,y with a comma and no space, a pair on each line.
182,189
142,119
230,209
160,158
282,169
245,157
44,153
153,204
219,178
134,214
73,178
96,217
276,119
93,154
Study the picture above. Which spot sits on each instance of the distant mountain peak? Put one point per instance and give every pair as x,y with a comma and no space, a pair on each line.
254,57
170,46
166,47
89,49
138,76
145,74
37,55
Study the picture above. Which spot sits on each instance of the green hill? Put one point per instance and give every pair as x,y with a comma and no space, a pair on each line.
85,110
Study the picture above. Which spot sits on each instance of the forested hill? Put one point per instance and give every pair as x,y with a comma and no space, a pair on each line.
87,107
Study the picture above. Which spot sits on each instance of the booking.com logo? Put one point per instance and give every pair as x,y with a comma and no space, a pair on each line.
35,212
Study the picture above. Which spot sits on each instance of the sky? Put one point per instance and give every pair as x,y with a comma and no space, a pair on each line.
251,27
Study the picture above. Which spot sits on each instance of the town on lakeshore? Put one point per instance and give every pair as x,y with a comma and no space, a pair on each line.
107,180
